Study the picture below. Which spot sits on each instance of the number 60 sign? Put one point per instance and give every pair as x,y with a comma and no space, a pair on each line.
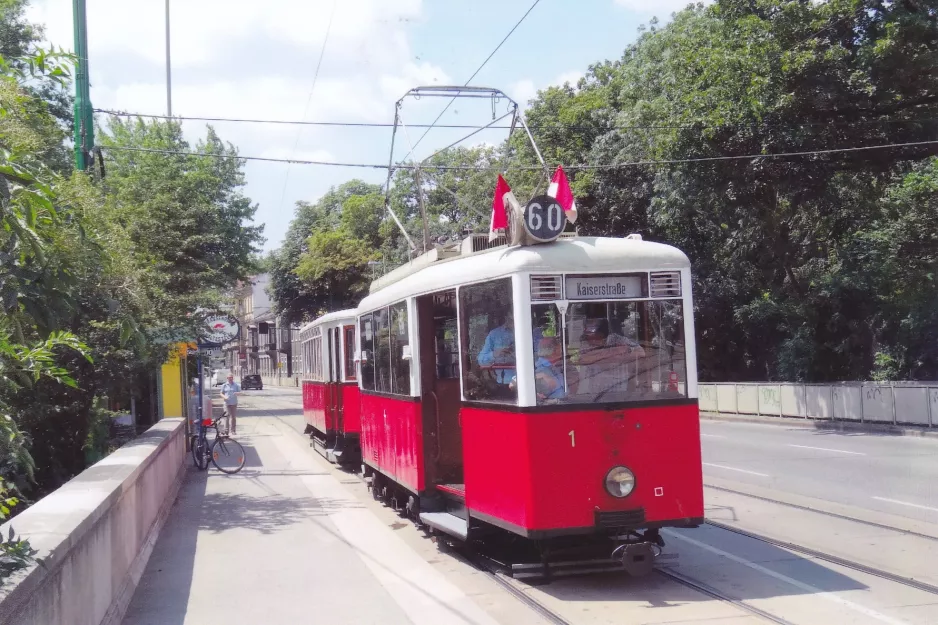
544,219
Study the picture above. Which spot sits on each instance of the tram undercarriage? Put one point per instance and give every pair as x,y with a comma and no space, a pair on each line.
447,521
341,449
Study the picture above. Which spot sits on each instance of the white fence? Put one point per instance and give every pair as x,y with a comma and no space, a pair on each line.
912,403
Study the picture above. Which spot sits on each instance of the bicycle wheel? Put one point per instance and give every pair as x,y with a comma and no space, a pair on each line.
227,455
198,452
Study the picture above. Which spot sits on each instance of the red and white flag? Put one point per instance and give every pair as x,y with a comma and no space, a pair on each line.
559,189
502,202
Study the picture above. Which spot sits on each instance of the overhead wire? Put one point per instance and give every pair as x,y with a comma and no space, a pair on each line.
476,73
309,99
572,167
559,126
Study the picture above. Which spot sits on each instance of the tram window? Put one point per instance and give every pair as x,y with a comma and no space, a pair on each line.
609,352
551,378
400,367
367,343
349,332
382,351
625,351
488,342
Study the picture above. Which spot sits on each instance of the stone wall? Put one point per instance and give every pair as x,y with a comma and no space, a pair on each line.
95,534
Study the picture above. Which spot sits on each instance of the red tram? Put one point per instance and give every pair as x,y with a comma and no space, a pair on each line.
541,396
330,387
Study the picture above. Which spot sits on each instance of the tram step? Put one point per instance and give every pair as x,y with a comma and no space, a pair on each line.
446,522
455,490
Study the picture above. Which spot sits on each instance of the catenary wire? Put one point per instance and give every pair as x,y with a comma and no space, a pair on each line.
559,126
475,73
309,99
575,167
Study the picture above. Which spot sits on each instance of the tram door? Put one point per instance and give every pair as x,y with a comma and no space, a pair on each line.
441,400
335,380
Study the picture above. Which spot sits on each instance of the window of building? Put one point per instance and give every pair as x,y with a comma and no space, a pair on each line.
367,345
488,342
400,338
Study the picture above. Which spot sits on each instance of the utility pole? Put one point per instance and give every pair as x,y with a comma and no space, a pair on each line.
169,76
84,116
423,210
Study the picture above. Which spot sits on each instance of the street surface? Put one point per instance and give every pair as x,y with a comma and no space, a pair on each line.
294,539
887,473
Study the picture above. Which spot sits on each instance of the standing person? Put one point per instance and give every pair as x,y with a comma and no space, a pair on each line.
604,358
229,392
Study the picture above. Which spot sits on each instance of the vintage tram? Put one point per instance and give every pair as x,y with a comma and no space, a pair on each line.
537,397
330,387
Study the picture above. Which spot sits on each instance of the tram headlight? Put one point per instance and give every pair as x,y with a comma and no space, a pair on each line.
620,482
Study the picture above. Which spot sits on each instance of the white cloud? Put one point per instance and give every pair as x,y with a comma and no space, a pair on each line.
298,155
661,8
571,77
522,91
249,59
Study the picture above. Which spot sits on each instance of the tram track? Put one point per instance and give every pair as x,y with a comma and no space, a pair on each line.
826,557
828,513
710,591
513,588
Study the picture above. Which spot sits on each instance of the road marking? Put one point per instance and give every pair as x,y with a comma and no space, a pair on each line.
817,592
711,436
839,451
723,466
906,503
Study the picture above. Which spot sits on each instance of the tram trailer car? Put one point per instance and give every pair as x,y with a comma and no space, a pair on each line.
330,388
539,398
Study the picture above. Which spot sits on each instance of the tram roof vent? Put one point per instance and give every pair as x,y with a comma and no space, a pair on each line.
665,283
480,242
546,288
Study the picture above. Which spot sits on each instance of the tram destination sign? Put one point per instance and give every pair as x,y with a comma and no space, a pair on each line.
218,329
604,287
544,219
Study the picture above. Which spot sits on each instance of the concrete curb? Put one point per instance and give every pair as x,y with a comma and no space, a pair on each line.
841,426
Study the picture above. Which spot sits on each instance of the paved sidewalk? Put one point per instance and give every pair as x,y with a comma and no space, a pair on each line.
285,542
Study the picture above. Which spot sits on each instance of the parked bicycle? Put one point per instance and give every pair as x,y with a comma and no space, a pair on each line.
224,452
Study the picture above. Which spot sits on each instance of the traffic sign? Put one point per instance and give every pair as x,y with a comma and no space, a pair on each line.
544,219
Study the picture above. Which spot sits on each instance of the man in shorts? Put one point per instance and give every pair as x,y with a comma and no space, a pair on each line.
229,392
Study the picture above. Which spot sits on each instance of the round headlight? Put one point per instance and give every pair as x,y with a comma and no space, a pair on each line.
620,482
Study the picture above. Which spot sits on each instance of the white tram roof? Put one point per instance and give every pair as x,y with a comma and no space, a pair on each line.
349,314
570,255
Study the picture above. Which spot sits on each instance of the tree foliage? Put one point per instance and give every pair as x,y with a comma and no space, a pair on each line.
97,277
816,266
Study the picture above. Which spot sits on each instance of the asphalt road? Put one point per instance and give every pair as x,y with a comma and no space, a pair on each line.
892,474
887,473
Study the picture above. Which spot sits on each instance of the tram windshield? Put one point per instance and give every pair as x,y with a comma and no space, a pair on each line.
609,352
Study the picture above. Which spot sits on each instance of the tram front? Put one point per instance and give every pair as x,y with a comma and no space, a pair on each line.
580,418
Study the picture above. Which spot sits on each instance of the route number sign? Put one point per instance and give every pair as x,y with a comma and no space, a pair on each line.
544,219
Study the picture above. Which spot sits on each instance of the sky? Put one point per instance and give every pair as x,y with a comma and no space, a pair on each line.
249,59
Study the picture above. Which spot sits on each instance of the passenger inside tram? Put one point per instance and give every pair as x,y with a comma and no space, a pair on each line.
498,351
548,369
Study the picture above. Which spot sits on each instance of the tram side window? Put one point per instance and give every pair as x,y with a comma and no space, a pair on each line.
349,337
400,367
382,351
367,343
488,342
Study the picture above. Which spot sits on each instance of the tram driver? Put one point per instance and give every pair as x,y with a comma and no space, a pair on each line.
604,359
498,351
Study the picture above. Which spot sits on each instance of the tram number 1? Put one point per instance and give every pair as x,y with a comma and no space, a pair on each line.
572,438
